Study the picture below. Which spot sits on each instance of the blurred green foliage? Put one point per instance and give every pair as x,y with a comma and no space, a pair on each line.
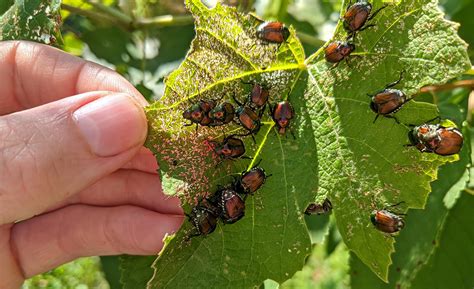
84,273
144,47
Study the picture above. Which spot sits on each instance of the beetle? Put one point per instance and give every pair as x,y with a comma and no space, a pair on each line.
230,204
248,117
282,113
319,209
250,181
357,15
388,101
336,51
386,221
230,148
222,114
436,138
258,97
204,219
273,32
198,113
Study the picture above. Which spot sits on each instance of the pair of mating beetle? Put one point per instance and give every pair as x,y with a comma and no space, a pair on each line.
227,203
383,220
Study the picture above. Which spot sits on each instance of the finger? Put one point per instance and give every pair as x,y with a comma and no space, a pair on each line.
56,150
10,274
47,241
143,161
33,74
129,187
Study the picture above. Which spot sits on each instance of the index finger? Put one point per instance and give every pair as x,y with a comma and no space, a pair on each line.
33,74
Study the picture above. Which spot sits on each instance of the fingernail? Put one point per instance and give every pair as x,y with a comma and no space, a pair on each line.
111,124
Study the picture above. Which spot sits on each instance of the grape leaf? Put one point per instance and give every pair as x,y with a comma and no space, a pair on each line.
337,151
35,20
453,263
419,240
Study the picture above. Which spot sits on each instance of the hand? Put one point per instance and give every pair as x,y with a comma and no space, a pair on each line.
74,178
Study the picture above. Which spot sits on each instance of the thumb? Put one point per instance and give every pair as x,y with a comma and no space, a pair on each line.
53,151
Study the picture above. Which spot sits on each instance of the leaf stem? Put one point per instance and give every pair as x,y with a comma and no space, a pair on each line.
470,71
468,83
163,21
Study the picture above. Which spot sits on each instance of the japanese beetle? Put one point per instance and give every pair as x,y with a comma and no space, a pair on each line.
204,219
273,32
198,113
357,15
436,138
259,96
387,221
319,209
222,114
282,113
248,117
231,205
230,148
388,101
250,181
336,51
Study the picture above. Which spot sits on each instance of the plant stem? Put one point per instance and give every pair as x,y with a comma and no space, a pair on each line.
163,21
469,83
115,13
86,13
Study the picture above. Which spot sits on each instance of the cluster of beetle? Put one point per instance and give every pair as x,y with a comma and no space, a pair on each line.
227,203
432,138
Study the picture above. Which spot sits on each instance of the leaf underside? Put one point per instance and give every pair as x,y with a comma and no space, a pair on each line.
34,20
337,151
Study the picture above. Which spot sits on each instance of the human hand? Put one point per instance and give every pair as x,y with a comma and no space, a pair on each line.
74,178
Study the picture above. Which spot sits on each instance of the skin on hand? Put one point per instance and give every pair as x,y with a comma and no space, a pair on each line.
75,179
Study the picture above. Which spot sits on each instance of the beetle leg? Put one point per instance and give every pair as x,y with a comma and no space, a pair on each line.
253,138
335,65
236,101
376,12
438,118
394,117
390,85
394,205
347,62
365,27
376,117
292,134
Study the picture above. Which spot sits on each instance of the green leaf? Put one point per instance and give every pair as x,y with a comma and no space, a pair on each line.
136,271
337,151
372,168
111,269
421,236
451,266
419,239
35,20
